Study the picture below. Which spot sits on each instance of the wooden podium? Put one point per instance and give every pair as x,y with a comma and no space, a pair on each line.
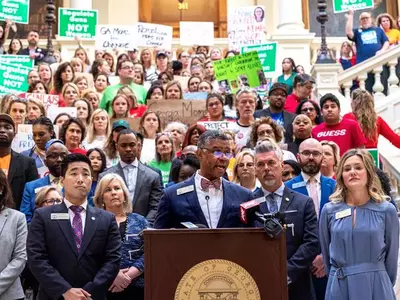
196,264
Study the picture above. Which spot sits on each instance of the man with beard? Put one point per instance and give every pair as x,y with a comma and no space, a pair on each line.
277,98
206,198
302,245
18,168
55,153
33,50
311,183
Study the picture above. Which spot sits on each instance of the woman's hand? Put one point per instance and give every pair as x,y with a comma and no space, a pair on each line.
132,272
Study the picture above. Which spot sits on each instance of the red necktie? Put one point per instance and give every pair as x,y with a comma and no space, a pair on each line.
206,184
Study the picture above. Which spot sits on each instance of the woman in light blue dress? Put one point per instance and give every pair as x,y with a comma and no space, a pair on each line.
359,234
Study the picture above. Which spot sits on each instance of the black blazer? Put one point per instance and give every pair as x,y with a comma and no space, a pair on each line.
303,247
41,51
287,122
55,262
21,171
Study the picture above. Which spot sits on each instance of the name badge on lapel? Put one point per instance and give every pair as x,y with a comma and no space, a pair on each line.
299,185
59,216
343,214
185,190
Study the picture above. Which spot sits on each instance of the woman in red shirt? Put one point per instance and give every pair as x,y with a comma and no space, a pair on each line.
371,124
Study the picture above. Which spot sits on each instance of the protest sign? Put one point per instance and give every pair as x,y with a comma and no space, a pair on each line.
13,78
218,125
54,111
266,53
185,111
115,37
18,60
47,100
342,6
77,23
196,33
375,155
246,26
154,35
25,137
18,11
195,96
239,71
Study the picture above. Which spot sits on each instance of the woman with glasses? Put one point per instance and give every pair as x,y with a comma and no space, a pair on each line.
164,154
244,172
288,73
215,109
47,196
310,109
98,163
331,159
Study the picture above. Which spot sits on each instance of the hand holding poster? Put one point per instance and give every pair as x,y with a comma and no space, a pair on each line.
196,33
341,6
239,71
18,11
77,23
115,37
154,35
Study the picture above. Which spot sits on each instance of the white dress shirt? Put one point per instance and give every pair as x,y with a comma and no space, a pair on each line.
130,173
72,214
211,201
278,194
307,180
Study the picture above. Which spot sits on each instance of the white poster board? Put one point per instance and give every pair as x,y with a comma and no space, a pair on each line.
54,111
119,37
154,35
196,33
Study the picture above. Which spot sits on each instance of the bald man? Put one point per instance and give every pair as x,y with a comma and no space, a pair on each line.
311,183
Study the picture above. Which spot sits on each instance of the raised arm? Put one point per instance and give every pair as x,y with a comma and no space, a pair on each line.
349,25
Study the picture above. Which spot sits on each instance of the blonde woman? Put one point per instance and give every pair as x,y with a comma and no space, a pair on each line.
98,130
35,110
244,172
330,158
113,195
359,233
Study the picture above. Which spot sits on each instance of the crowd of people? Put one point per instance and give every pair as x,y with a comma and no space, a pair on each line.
74,206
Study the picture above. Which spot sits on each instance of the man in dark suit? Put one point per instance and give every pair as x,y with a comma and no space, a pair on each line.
303,246
33,51
73,248
206,198
55,153
18,168
311,183
277,97
142,182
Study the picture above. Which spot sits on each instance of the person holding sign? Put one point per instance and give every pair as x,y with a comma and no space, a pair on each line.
215,109
173,91
33,50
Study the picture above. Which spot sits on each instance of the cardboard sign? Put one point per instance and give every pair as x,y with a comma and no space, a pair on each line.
220,125
246,26
54,111
13,78
77,23
239,71
18,11
343,6
196,33
134,123
154,35
47,100
115,37
185,111
17,60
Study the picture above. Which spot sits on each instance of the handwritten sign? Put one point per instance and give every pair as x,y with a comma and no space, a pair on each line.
54,111
246,26
196,33
154,35
341,6
13,78
185,111
25,137
266,53
239,71
47,100
18,60
195,96
18,11
77,23
115,37
219,125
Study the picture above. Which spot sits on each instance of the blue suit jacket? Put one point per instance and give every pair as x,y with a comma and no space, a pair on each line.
56,263
28,197
174,209
327,187
303,247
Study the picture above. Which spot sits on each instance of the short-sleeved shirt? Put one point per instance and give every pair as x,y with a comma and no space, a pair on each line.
292,101
393,36
368,42
347,134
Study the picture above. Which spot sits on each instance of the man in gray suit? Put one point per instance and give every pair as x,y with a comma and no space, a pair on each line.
143,183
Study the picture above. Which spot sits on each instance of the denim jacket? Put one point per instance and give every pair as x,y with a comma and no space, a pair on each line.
132,249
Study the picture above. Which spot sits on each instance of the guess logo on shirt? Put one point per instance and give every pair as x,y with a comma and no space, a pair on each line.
332,133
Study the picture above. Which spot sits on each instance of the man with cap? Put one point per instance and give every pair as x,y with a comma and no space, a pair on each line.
126,73
18,168
55,153
344,132
277,98
161,62
133,55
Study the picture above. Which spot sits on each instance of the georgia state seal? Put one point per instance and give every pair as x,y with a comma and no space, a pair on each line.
217,279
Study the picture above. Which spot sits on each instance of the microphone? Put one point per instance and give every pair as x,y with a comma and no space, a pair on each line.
280,215
249,208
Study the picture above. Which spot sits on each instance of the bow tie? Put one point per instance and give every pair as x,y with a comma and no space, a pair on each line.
206,184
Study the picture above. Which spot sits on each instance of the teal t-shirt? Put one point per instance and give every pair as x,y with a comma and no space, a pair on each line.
110,92
288,82
164,167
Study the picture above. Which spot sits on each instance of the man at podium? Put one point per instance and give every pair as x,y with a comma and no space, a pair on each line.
206,199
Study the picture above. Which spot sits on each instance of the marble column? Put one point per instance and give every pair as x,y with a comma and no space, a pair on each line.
290,16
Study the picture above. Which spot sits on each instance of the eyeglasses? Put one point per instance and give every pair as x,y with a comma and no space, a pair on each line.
219,154
56,156
307,154
307,109
53,201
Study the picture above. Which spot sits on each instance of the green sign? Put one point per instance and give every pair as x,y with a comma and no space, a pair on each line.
341,6
18,60
18,11
266,53
77,23
13,78
239,71
375,155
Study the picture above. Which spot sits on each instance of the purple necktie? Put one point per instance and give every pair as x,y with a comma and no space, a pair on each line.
77,225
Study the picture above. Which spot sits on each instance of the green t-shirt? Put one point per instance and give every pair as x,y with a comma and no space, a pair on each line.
164,167
110,92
